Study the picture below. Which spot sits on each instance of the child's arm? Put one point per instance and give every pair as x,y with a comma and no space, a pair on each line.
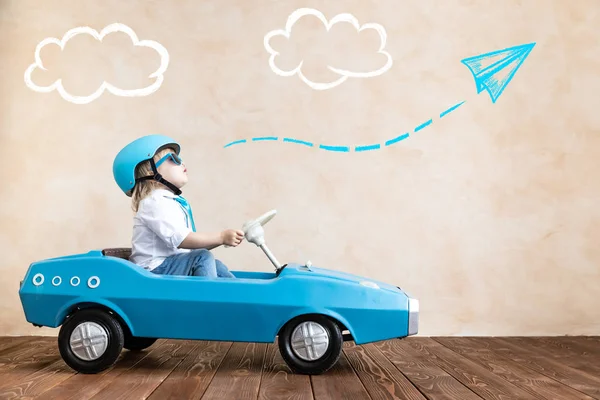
196,240
164,217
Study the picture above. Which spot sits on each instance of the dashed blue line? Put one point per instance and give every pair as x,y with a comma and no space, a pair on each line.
454,107
298,141
397,139
236,142
335,148
346,149
367,148
423,125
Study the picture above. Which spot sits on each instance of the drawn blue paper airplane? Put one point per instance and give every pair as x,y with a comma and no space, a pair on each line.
494,71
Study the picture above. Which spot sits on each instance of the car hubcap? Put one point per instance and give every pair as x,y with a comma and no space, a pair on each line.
89,341
310,341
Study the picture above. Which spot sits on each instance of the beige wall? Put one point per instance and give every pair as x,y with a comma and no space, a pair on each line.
489,216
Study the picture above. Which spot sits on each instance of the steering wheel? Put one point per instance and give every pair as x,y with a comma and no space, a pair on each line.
253,229
262,220
254,232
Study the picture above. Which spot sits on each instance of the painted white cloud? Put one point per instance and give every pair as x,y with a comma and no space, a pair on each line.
116,27
344,74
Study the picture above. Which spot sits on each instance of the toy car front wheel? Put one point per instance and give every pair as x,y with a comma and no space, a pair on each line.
90,341
310,344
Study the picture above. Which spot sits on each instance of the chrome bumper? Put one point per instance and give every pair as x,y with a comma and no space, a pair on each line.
413,316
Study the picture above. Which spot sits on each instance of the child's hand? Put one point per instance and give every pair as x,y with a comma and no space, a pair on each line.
232,237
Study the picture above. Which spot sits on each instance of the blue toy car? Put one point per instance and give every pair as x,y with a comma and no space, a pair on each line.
104,303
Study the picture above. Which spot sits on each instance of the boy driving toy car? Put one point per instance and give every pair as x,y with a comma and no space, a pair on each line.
164,239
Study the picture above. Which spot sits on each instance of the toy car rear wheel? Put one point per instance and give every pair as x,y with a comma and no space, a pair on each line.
90,341
135,343
310,344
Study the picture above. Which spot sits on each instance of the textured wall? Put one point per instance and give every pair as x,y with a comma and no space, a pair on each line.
489,215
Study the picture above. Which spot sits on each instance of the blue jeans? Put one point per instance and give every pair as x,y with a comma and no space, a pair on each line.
198,262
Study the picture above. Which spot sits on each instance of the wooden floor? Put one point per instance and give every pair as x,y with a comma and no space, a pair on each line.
411,368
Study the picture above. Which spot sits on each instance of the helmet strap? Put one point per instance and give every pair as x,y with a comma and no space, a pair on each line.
158,177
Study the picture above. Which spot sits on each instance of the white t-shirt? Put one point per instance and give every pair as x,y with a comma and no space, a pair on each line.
159,227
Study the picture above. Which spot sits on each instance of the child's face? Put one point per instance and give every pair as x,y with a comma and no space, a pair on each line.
173,172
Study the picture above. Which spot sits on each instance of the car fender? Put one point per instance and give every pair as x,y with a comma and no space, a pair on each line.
90,303
316,310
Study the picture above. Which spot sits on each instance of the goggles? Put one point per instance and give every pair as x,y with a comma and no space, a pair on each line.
174,157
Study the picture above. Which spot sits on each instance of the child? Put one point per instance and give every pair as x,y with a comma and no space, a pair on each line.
165,241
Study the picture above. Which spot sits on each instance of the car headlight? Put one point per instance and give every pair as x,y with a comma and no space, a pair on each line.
413,316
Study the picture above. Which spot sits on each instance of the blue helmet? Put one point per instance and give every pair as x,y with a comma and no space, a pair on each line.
140,150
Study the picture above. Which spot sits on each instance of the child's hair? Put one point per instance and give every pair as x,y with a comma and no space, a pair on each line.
144,188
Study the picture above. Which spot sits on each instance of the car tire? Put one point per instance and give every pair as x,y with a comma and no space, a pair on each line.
90,341
135,343
306,331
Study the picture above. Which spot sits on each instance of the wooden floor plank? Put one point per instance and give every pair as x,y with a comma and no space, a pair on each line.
593,341
8,342
143,378
555,369
278,381
84,386
339,383
569,345
27,352
558,347
432,381
36,375
192,376
379,376
519,375
27,358
481,381
239,375
574,355
37,382
591,338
